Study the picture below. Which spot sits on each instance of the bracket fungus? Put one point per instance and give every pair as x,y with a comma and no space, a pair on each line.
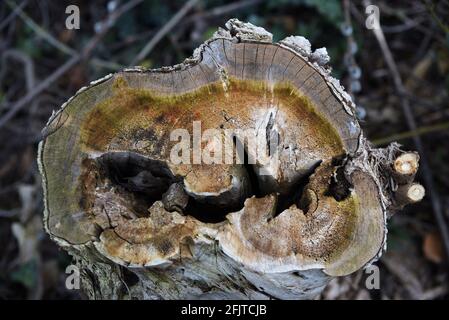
146,216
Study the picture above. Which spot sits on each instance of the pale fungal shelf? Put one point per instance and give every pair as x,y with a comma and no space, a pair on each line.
141,225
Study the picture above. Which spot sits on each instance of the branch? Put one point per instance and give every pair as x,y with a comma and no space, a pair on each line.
108,23
164,31
55,42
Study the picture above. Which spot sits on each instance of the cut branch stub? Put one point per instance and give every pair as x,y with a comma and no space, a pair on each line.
314,207
405,167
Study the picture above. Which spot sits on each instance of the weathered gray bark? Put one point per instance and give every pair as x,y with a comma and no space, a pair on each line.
140,226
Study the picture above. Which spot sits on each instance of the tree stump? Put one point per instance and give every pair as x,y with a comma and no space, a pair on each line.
146,217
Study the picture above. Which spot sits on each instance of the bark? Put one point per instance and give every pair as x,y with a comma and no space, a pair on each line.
142,226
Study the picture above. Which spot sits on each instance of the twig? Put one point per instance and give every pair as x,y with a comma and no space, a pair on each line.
108,23
39,30
354,72
434,293
27,64
412,133
9,213
405,275
41,87
55,42
431,9
129,40
407,25
14,13
419,27
427,173
163,31
225,9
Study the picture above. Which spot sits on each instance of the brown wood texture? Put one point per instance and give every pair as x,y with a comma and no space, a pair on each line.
236,241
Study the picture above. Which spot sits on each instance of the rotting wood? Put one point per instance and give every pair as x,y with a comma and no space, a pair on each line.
141,226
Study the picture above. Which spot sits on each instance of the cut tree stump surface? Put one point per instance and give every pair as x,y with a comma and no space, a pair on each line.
142,226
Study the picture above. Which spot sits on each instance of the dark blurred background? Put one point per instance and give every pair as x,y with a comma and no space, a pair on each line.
42,64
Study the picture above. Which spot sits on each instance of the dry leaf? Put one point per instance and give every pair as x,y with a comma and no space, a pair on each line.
433,247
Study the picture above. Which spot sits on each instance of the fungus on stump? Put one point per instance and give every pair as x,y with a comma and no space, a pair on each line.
279,223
